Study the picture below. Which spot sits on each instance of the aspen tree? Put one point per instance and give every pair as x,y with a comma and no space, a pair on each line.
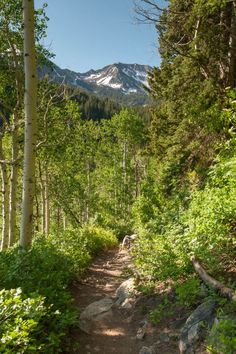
5,200
15,148
30,125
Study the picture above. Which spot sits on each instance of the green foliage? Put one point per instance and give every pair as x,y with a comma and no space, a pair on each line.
93,107
172,231
163,310
98,238
157,315
44,273
21,321
222,339
79,245
210,219
147,288
188,292
155,255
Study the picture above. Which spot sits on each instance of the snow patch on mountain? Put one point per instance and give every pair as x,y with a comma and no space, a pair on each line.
125,78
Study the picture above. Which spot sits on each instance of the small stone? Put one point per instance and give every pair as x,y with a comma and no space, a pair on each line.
146,350
129,319
164,337
126,305
142,331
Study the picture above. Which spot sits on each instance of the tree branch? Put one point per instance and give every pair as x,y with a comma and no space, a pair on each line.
224,291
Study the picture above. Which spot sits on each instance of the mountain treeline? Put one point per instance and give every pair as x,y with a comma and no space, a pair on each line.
166,171
93,107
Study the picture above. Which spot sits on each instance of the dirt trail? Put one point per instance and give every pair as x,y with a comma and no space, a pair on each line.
117,333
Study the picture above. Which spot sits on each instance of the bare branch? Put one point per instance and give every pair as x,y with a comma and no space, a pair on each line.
223,290
11,162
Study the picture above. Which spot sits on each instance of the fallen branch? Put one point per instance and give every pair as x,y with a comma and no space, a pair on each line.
224,291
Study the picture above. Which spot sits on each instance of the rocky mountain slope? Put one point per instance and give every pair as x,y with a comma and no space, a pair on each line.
123,82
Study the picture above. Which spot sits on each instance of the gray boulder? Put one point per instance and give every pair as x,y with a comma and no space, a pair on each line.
126,290
94,313
195,327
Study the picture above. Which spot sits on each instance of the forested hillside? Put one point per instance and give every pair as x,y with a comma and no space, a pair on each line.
166,172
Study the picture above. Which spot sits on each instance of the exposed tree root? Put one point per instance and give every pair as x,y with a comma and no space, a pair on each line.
224,291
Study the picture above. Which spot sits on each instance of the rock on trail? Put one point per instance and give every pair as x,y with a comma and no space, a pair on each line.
111,312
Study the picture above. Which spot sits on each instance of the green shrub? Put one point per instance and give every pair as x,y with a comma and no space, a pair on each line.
146,288
223,337
209,226
20,320
44,273
204,226
188,292
97,238
157,315
162,311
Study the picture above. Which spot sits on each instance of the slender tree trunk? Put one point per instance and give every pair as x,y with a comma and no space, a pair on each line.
15,144
37,213
5,202
30,125
88,192
115,190
58,217
14,181
124,199
43,208
47,204
136,178
232,47
43,203
65,224
196,32
124,162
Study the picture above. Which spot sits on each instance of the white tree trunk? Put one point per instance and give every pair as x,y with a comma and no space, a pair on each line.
47,204
30,125
5,202
15,147
13,182
65,224
43,203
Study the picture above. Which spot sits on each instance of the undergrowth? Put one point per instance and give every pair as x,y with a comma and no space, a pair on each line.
199,222
36,307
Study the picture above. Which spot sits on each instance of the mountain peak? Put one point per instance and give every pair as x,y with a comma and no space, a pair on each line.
119,78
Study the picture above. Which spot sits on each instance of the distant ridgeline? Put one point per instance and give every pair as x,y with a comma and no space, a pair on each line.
123,83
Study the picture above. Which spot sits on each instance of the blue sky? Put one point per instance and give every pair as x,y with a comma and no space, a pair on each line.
89,34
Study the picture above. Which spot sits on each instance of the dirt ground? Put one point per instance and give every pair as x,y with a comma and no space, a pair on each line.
117,333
